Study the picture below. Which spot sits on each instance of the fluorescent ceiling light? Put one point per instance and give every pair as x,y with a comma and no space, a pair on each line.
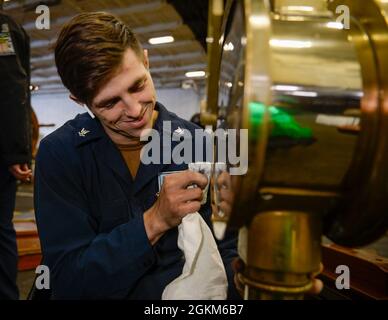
160,40
259,20
304,93
337,121
195,74
335,25
360,94
281,87
290,43
300,8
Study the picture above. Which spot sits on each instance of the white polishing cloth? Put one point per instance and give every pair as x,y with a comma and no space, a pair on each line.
203,276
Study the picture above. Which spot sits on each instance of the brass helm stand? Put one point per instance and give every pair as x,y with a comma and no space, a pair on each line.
313,94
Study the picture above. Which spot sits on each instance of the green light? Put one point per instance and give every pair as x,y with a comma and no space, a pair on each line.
257,110
283,124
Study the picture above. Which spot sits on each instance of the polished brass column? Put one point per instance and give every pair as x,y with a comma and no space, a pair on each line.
283,253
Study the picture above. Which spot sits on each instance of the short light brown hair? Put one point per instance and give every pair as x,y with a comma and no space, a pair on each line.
89,50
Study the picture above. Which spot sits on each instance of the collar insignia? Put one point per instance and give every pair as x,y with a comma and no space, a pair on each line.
83,132
179,131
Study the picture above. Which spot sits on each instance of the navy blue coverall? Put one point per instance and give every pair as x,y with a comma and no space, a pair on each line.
89,214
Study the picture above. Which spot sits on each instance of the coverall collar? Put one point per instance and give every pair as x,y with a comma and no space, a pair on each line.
90,131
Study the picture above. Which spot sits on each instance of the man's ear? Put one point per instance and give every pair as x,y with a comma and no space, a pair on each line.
76,100
145,59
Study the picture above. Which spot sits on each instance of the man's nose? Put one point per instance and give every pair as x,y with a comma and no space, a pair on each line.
133,108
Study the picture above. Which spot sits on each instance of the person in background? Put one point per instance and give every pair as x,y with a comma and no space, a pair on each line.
15,140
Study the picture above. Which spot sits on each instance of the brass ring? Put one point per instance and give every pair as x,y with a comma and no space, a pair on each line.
271,288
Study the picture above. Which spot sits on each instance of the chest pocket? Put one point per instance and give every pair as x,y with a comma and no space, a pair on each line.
113,213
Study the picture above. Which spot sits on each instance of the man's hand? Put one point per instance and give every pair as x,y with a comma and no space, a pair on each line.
175,201
238,266
21,172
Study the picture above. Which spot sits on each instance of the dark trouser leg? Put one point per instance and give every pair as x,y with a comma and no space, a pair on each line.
8,248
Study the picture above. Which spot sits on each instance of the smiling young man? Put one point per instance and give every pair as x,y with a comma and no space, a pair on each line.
106,229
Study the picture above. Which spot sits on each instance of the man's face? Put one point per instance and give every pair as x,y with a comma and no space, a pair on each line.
124,105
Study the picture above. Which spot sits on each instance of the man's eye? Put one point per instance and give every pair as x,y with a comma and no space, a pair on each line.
110,105
138,88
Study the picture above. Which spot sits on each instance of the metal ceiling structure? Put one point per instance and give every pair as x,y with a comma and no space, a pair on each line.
147,18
